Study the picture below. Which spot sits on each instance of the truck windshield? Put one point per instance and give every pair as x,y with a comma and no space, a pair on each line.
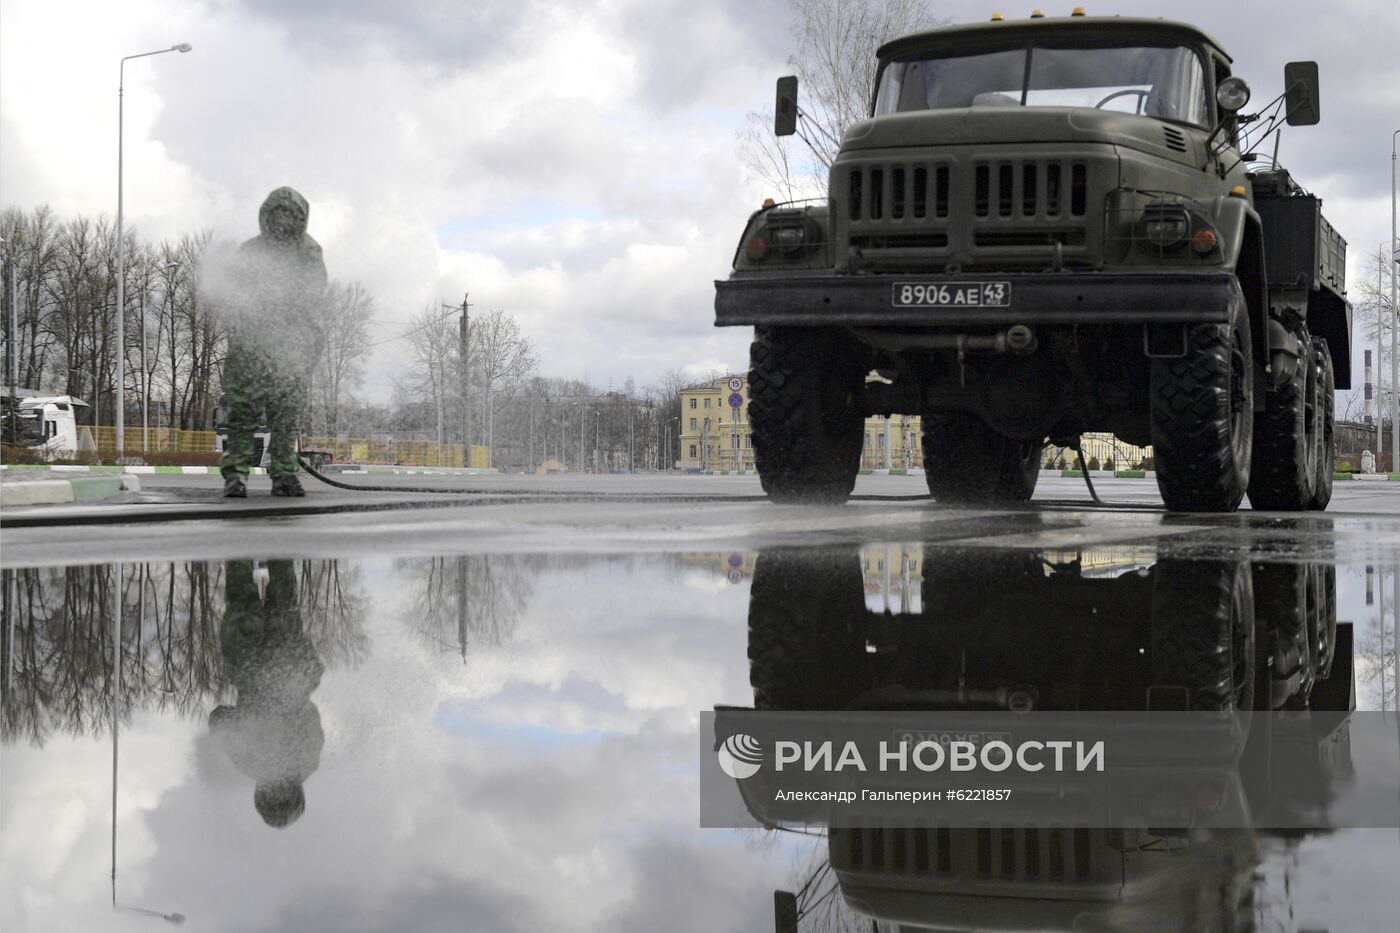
1163,82
31,421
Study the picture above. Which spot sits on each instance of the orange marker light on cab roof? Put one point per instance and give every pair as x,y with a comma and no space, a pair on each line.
1077,11
768,202
1037,14
1237,191
997,17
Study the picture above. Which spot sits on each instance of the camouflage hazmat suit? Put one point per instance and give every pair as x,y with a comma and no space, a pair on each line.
278,277
273,732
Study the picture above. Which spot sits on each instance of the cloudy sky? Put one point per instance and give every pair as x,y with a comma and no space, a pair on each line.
571,162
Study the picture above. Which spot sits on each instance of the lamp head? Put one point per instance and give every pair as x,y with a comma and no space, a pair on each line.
182,47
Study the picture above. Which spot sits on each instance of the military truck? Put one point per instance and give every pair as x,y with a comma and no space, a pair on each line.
1045,228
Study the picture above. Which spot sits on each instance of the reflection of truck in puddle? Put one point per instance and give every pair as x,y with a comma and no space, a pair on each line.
1023,631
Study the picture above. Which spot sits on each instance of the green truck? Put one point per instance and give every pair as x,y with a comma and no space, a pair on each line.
1046,228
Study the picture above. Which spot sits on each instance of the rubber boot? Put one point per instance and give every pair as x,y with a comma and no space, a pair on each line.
235,488
287,485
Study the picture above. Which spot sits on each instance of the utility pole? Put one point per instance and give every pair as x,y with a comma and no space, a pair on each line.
463,344
582,461
1380,321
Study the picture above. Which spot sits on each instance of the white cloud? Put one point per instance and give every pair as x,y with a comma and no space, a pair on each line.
573,163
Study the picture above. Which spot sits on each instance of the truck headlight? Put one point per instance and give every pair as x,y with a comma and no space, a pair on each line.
1165,226
788,239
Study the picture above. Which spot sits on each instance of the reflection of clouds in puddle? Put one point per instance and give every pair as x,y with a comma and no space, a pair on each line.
548,781
1373,627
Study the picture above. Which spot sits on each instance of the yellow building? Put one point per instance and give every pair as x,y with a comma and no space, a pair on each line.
715,435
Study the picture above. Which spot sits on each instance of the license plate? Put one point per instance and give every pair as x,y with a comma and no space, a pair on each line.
912,737
952,295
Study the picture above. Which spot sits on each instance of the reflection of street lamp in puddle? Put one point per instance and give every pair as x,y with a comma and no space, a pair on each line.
116,706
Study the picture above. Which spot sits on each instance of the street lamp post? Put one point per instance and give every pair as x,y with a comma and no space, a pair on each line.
1395,409
12,344
598,441
121,245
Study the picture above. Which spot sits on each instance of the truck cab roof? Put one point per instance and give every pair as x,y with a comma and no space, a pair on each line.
972,37
40,401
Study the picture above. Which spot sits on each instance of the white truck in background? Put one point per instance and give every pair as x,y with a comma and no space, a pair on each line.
48,425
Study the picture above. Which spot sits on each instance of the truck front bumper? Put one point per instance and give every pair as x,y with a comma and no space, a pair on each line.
1036,298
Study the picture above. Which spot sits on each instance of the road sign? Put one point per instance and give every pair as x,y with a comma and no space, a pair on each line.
735,383
736,400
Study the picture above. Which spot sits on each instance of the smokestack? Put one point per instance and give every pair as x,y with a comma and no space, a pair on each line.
1369,402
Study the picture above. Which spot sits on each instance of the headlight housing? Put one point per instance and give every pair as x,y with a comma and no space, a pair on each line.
778,238
1165,227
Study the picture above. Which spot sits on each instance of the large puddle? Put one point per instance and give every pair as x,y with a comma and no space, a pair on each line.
509,742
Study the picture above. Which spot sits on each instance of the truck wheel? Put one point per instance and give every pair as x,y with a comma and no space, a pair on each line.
1287,442
966,461
1326,403
805,414
1203,633
807,628
1203,415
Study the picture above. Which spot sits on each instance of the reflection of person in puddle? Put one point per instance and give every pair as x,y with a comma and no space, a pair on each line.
273,732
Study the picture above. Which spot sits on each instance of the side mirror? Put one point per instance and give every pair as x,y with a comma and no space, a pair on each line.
1302,103
785,110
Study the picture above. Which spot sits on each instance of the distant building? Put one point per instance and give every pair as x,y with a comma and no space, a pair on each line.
715,432
715,435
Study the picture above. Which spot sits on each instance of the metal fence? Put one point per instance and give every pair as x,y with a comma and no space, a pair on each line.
375,449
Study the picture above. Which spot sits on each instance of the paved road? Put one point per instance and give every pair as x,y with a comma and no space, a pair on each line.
663,513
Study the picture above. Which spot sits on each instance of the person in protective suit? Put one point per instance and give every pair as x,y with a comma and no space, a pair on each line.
273,732
278,278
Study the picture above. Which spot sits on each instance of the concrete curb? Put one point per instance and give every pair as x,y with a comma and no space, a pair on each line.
64,491
129,470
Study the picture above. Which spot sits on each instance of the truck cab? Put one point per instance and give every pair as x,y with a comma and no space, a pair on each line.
50,425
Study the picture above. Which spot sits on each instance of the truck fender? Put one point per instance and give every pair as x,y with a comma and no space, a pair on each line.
1240,235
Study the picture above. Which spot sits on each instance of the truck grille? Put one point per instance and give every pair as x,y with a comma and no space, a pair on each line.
1004,189
1023,854
911,214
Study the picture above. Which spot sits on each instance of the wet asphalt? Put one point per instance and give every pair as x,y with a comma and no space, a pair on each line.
483,713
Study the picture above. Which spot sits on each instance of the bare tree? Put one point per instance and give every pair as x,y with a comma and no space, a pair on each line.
501,357
835,66
665,397
433,343
343,323
1372,309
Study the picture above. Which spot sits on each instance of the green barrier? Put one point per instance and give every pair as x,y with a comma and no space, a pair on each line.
1131,474
93,488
